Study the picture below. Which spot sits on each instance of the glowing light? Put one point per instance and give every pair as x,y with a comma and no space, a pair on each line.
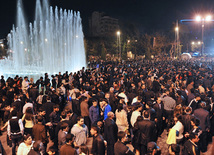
25,49
128,41
21,42
2,45
77,36
46,40
176,29
208,18
198,18
193,43
118,33
199,43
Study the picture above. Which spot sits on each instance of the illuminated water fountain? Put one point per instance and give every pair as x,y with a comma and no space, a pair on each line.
53,42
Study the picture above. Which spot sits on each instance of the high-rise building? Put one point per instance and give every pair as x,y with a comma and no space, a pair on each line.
102,25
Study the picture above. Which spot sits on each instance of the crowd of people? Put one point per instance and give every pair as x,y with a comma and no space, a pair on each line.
115,103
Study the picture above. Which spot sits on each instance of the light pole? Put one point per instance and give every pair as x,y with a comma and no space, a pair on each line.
128,41
177,40
135,46
203,20
119,45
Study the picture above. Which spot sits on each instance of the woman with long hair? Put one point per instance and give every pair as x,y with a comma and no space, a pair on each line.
28,120
121,118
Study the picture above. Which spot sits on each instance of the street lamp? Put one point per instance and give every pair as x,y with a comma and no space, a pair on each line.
177,39
203,20
119,45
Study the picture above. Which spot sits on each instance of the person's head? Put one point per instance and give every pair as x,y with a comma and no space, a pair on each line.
42,111
194,137
51,150
107,95
103,103
83,149
69,138
56,108
195,121
94,102
120,107
48,98
29,110
202,105
37,146
110,115
122,136
146,115
111,90
158,100
152,148
80,120
177,118
27,139
100,124
63,114
14,113
138,107
69,112
174,149
148,104
25,78
64,126
94,130
39,118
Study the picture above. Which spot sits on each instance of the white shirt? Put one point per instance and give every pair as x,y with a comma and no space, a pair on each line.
25,85
23,149
180,128
134,117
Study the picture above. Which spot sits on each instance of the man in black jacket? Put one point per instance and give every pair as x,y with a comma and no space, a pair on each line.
160,115
190,147
98,145
147,132
120,147
110,133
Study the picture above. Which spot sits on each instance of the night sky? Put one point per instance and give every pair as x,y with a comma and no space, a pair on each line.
147,15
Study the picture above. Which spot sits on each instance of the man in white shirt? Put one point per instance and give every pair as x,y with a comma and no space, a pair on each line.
25,83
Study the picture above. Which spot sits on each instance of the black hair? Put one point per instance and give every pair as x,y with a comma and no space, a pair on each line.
96,128
63,114
121,134
192,135
146,114
55,106
14,113
36,146
63,125
120,107
69,137
52,149
79,118
39,118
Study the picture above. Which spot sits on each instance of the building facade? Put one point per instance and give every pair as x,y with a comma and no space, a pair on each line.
101,25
